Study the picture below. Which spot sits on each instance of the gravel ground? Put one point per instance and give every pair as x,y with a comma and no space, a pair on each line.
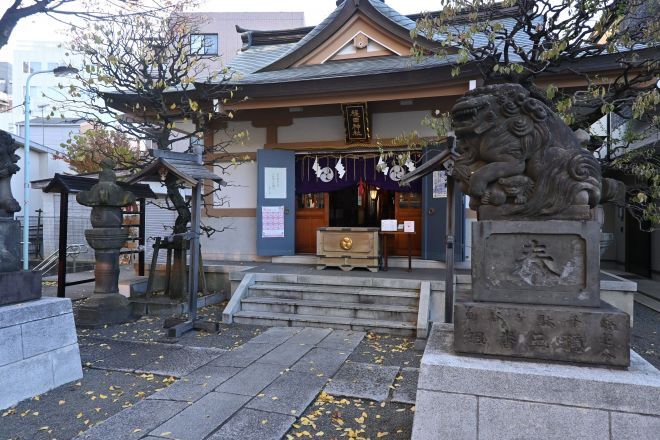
64,412
645,338
150,329
387,350
341,418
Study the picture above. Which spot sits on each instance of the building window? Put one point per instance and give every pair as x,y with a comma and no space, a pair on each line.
35,66
52,66
204,44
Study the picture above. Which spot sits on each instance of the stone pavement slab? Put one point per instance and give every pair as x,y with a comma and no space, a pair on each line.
366,381
254,425
251,380
197,384
276,335
321,361
286,354
290,394
136,356
342,340
182,362
134,422
243,356
405,390
309,336
201,418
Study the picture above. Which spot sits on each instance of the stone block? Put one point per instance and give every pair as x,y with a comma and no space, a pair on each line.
342,340
33,310
501,419
275,335
635,390
254,425
289,394
181,362
201,418
19,286
196,385
309,336
445,416
25,379
11,345
550,262
559,333
286,354
134,422
365,381
406,388
243,355
66,365
251,380
627,426
48,334
323,361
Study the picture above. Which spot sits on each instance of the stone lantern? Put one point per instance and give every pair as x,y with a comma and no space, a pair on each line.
106,306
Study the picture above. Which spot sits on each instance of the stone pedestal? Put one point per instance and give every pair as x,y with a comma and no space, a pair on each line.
19,286
106,305
466,397
536,295
38,349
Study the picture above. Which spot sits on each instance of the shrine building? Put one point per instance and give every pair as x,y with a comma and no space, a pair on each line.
328,109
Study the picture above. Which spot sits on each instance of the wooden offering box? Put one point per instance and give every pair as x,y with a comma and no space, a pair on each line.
347,248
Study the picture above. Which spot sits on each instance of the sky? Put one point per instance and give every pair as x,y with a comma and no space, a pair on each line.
45,28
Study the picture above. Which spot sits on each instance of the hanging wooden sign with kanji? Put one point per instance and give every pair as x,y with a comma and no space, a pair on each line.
356,122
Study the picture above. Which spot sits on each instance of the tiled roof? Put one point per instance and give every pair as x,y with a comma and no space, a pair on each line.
339,69
393,15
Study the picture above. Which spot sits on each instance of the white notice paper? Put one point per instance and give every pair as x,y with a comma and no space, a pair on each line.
439,184
272,221
275,183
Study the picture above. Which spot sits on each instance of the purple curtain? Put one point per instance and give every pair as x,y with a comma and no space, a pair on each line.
357,168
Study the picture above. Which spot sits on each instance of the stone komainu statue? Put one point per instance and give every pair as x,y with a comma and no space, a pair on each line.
8,167
519,159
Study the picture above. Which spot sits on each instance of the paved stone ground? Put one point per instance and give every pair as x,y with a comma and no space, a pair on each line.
73,408
267,383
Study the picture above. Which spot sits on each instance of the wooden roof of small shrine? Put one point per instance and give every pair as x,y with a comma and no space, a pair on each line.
186,167
61,183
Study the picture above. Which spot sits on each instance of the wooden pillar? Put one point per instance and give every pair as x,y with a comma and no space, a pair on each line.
449,252
142,231
61,260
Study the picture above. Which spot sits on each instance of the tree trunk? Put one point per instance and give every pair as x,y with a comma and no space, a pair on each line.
177,281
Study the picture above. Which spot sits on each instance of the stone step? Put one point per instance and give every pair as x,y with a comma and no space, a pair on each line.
368,280
335,293
330,308
356,324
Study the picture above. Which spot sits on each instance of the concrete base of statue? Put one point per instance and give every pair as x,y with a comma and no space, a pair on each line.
469,397
38,349
104,309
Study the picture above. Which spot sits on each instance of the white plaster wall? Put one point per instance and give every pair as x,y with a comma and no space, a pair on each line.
236,238
324,128
235,241
391,125
241,189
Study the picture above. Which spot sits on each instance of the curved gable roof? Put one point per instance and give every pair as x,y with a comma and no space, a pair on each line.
375,10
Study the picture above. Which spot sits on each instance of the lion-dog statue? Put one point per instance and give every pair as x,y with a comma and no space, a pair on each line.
518,159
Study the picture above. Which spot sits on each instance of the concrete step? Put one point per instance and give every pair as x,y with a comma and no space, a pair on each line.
386,312
334,293
356,324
